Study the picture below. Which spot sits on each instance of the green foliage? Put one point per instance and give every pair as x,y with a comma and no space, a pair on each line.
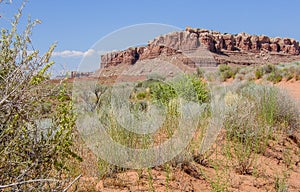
254,113
200,72
223,67
275,73
269,68
227,72
274,107
242,134
36,121
188,87
275,76
259,73
165,95
281,184
162,92
191,88
141,95
294,71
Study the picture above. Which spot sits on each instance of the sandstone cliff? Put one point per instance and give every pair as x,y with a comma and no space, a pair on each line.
208,48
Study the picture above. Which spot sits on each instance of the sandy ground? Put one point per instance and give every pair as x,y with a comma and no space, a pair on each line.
292,88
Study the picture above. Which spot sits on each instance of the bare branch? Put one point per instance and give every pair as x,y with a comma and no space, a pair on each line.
26,182
78,177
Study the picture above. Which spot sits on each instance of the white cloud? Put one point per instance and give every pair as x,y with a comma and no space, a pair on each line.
73,53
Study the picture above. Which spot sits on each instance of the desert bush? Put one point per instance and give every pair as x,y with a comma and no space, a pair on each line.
200,72
156,76
241,131
259,73
239,77
211,76
191,88
167,96
246,69
274,106
296,72
275,76
35,141
269,68
227,72
254,113
141,95
162,92
188,87
281,184
286,73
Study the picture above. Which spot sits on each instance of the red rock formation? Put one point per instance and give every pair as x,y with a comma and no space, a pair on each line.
243,41
191,39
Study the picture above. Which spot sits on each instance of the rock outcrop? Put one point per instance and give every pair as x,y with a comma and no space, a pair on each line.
191,39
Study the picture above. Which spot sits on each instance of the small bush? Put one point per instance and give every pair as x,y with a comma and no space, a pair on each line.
239,77
200,72
212,76
259,73
274,106
242,134
297,74
156,76
188,87
227,72
253,114
269,68
274,77
289,76
191,88
141,95
162,92
281,184
224,67
36,117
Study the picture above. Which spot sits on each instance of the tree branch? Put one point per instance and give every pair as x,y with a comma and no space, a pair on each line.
72,183
29,181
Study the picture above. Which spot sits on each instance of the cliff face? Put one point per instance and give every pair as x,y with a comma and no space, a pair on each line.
191,40
216,42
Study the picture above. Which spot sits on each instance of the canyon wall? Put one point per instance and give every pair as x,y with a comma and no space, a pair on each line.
191,39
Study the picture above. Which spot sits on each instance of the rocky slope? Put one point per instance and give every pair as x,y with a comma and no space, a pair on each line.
206,48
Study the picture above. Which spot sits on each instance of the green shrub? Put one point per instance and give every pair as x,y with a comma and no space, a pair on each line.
162,92
297,74
188,87
211,76
141,95
274,106
242,134
200,72
191,88
274,77
227,72
224,67
288,76
35,142
253,114
259,73
269,68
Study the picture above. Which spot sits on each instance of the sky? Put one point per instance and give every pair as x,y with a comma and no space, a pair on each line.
77,26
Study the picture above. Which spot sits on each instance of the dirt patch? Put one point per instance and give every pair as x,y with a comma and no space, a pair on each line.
293,89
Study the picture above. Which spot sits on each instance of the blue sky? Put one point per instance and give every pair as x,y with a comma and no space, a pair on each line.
77,25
